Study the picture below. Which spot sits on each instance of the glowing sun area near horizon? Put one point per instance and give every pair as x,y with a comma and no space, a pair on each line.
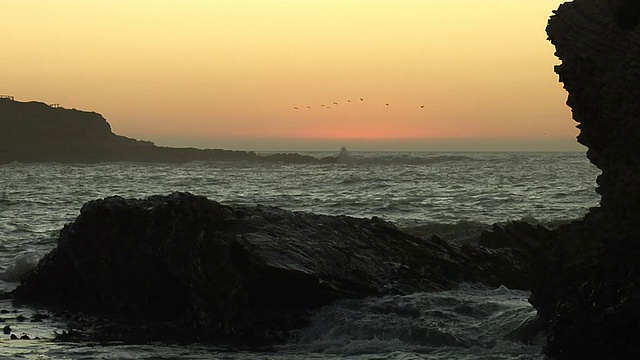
275,75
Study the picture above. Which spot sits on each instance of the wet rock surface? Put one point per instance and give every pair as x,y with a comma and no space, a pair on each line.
182,267
588,291
517,235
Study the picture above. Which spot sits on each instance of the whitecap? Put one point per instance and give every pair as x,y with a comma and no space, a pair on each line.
21,265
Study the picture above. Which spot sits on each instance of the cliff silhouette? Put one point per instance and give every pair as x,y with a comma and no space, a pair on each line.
36,132
588,293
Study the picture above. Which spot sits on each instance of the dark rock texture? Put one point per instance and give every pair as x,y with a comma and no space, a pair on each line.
517,235
588,292
212,272
626,13
601,71
37,132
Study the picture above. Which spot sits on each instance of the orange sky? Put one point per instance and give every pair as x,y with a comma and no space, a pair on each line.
229,73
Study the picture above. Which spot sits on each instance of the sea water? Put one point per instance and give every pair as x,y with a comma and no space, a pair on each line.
452,193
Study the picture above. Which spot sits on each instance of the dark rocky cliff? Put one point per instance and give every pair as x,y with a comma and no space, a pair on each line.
190,268
600,69
588,294
34,131
37,132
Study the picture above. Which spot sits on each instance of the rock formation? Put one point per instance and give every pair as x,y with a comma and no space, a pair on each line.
37,132
188,267
601,71
588,293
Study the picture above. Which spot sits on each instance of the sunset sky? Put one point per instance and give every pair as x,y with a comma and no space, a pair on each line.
218,73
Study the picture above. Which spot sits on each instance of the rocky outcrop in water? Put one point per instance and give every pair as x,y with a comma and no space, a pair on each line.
37,132
186,267
588,294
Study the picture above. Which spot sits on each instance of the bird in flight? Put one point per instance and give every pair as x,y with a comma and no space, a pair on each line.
295,108
348,100
386,104
361,99
335,103
422,106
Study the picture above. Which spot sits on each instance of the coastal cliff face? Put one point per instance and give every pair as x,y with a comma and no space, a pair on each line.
36,132
588,294
599,46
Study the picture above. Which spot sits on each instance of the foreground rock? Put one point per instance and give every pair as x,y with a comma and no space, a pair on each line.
37,132
589,291
184,266
588,294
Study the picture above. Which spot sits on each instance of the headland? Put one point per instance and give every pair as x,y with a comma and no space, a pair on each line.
38,132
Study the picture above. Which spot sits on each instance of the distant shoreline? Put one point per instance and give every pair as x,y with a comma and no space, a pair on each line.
37,132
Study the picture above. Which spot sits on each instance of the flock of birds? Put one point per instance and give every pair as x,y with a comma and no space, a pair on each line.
336,103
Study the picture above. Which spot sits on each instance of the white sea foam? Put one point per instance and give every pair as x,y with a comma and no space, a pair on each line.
468,322
22,264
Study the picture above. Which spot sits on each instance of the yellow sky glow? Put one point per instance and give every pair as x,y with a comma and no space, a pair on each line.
228,73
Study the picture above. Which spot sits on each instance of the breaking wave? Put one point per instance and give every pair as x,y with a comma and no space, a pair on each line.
400,158
470,321
22,264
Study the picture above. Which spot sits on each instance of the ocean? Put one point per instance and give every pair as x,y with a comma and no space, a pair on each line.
455,195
